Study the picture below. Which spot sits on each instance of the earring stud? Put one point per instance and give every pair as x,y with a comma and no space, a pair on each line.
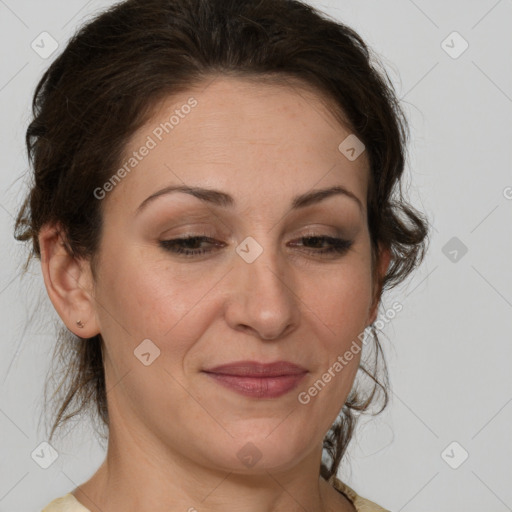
79,323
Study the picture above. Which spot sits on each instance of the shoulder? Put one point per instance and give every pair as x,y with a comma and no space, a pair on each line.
360,504
66,503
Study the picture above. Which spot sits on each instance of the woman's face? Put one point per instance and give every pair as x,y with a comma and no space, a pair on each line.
256,288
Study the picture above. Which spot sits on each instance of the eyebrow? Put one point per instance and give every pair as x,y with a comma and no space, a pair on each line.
222,199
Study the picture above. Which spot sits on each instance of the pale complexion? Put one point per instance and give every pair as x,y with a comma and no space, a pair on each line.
174,433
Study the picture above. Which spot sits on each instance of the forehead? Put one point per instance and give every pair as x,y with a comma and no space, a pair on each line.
242,136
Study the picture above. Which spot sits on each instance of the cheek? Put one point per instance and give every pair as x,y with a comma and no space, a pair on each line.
148,299
338,307
341,300
173,304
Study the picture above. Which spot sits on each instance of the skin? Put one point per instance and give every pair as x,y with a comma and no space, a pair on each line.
174,432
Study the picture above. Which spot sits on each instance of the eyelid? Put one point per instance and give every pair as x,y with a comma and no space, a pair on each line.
191,221
327,231
188,229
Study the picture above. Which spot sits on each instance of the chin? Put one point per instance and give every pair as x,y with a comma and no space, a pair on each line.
260,452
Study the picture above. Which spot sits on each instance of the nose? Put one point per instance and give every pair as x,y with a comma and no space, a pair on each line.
263,299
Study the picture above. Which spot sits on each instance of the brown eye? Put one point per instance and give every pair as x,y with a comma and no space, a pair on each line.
317,244
193,245
188,246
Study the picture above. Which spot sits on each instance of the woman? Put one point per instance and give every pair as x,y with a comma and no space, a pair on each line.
217,212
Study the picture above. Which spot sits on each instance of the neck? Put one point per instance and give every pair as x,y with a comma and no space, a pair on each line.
142,476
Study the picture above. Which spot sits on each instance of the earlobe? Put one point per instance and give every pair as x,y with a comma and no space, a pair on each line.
382,267
68,283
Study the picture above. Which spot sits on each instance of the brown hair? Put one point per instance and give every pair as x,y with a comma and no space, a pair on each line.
117,67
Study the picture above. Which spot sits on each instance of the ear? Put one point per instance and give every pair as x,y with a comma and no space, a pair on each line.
68,282
384,258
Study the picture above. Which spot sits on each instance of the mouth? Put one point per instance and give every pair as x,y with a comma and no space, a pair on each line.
258,380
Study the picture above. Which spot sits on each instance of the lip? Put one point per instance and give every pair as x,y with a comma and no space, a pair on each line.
258,380
257,369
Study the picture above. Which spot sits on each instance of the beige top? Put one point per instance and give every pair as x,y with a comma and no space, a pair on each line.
68,503
360,504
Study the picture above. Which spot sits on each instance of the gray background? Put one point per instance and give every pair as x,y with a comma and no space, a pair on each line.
449,350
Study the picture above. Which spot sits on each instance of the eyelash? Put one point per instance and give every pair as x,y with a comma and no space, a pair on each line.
339,246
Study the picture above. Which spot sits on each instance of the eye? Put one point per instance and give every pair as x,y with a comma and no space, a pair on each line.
335,246
192,245
189,246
